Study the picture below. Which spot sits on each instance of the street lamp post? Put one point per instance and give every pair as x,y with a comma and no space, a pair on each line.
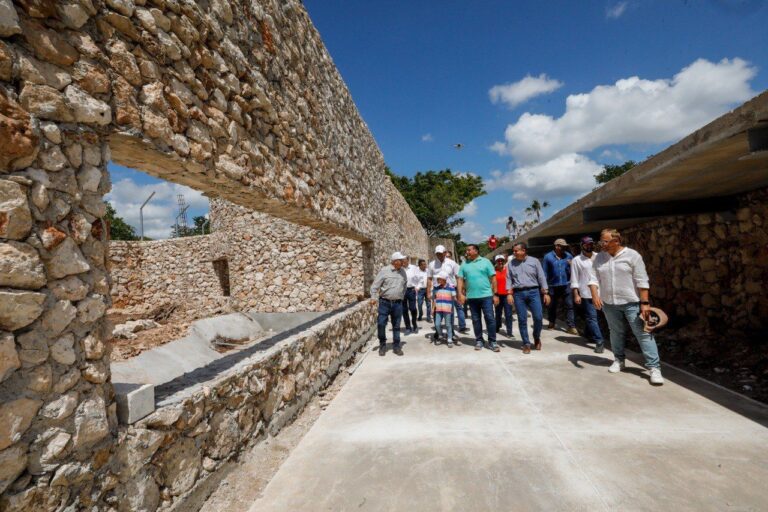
141,213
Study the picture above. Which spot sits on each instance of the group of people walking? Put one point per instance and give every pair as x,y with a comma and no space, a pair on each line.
613,280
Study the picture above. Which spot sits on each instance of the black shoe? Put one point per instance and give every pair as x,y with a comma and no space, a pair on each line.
464,330
382,350
599,349
398,351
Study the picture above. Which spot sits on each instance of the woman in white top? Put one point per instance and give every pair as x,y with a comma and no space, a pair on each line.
620,287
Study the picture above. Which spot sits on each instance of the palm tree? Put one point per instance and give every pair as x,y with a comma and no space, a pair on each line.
535,209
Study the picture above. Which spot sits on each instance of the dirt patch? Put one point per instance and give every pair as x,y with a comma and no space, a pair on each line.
123,349
223,344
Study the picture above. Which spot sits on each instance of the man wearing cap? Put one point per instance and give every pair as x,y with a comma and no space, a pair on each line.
409,302
557,268
502,292
389,288
581,267
525,278
620,287
421,291
451,268
477,288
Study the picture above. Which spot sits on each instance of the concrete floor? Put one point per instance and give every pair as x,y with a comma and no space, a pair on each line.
455,429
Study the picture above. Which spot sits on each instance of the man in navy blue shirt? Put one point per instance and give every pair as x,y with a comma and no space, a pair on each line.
557,268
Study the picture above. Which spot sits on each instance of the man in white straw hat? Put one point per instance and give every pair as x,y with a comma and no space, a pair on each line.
388,289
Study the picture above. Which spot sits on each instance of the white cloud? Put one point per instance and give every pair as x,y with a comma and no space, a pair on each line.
565,175
159,214
469,210
427,137
612,154
513,94
633,110
471,232
615,11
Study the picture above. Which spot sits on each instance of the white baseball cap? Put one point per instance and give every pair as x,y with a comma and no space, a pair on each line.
499,257
397,255
439,249
442,275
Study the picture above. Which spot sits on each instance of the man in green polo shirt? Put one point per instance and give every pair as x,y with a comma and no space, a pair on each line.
477,288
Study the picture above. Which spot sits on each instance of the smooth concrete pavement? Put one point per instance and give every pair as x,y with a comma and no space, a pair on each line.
457,429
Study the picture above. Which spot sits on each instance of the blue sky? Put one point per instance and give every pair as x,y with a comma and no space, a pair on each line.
424,69
640,75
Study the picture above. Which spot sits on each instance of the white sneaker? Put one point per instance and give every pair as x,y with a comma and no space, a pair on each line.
656,377
616,367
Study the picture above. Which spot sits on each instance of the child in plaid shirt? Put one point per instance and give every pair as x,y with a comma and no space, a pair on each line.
444,295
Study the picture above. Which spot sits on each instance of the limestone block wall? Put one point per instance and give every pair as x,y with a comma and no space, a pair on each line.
179,273
236,98
273,266
710,270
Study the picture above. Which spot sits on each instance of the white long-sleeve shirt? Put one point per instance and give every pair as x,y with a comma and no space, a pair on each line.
414,276
581,269
619,277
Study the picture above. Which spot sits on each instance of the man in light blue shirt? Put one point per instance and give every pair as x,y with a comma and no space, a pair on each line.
557,268
477,287
525,278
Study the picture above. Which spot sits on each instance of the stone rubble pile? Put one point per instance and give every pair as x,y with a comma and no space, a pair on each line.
129,329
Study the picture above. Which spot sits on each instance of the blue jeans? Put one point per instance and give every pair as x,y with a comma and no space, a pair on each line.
556,294
506,308
616,314
389,309
483,305
422,298
446,318
590,318
529,300
409,305
459,313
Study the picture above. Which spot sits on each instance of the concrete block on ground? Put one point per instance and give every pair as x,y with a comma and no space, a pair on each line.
134,401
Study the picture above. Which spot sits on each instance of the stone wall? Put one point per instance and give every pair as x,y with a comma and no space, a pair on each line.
238,99
274,266
710,270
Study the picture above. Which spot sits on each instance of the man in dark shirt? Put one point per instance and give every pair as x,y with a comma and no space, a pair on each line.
557,268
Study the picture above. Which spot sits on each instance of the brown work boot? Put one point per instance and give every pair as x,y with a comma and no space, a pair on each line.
537,345
550,326
572,330
527,349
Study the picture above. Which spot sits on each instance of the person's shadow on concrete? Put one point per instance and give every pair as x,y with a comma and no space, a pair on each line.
577,360
574,340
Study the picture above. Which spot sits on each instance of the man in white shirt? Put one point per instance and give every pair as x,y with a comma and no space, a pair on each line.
581,268
623,295
451,268
421,291
409,302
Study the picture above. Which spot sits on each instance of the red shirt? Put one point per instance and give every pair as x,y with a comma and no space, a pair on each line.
492,242
501,281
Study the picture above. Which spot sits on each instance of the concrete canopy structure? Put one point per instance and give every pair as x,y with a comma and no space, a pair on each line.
701,173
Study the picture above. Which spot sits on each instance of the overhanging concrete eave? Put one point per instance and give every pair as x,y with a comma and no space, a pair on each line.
712,162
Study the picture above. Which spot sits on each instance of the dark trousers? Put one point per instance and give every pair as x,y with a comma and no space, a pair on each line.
389,310
483,306
557,294
590,319
528,300
506,308
409,305
422,298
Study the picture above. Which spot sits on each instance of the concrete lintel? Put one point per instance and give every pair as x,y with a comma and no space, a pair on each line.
134,401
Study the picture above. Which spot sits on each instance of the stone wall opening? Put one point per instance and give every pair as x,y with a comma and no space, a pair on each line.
221,267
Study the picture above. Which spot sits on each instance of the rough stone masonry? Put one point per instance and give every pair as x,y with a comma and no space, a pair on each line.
238,99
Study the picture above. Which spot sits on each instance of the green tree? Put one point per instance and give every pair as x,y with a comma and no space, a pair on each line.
118,228
199,227
437,197
610,172
535,209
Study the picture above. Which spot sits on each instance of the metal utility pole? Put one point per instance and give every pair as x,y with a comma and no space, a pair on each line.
181,218
141,213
